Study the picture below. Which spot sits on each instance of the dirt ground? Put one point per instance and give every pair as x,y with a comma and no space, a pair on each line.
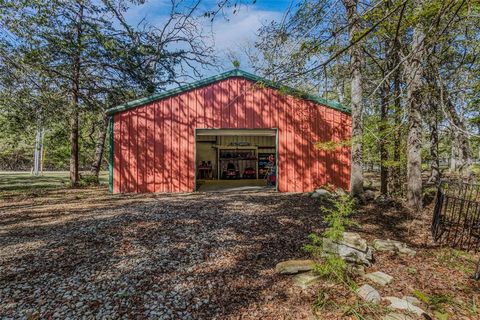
85,253
184,256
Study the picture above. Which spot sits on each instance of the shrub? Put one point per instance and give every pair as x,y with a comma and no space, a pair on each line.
337,218
87,180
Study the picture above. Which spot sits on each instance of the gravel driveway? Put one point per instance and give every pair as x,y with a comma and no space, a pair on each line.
84,253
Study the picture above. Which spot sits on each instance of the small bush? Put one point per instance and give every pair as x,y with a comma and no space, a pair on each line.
337,218
87,180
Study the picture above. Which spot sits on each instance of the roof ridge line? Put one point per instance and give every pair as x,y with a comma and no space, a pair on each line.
231,73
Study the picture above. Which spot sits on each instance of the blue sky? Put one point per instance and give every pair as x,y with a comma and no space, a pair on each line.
231,34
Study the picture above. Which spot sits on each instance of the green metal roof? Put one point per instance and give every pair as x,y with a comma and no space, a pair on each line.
222,76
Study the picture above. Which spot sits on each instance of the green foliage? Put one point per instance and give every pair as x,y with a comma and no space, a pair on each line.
315,245
457,259
435,302
333,145
236,63
43,43
336,216
332,267
87,180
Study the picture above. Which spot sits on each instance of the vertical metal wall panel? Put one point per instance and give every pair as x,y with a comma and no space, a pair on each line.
159,147
154,144
242,86
150,146
141,150
117,153
191,124
167,151
131,161
124,152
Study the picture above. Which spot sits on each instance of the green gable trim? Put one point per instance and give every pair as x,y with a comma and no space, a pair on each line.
233,73
110,155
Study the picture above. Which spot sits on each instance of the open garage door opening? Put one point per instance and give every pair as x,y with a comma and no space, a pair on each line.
236,159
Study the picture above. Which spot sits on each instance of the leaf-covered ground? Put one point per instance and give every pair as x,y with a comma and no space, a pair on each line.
184,256
73,253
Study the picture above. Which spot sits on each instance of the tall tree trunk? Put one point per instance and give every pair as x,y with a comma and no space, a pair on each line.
340,91
395,172
414,140
74,146
461,157
382,128
36,154
435,161
100,146
356,176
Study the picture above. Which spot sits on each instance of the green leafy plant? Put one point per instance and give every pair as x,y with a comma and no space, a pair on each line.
436,302
333,145
337,217
87,180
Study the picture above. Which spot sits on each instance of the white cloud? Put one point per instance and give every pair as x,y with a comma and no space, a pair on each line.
240,28
230,33
153,12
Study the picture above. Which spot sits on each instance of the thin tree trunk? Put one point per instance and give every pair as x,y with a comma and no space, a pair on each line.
37,152
340,91
435,161
100,146
395,172
382,148
356,176
414,140
74,147
461,156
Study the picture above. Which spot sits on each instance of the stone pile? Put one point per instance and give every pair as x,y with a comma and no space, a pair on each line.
355,250
352,248
302,269
393,246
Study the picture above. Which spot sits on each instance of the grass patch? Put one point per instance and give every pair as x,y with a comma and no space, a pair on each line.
23,182
457,259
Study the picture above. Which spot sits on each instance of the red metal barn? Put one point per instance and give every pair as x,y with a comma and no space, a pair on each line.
153,140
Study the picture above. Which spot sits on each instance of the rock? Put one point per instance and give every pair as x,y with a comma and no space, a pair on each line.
393,246
315,195
386,245
384,200
322,192
369,294
379,277
401,304
356,269
412,300
369,195
396,316
407,251
305,280
352,248
294,266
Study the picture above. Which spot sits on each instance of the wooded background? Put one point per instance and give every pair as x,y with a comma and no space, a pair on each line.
409,69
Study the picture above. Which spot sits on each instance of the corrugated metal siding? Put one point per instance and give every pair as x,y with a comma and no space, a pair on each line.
154,144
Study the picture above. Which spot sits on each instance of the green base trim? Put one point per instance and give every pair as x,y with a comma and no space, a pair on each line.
233,73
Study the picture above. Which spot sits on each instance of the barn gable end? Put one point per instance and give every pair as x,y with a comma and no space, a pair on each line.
153,138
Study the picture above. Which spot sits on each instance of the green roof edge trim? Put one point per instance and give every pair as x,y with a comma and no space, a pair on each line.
232,73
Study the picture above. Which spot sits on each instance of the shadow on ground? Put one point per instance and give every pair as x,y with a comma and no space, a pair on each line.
184,256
